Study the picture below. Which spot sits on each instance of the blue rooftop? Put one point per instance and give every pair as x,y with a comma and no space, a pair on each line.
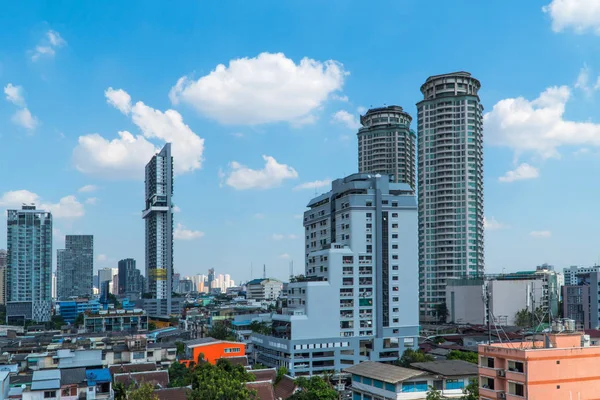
95,376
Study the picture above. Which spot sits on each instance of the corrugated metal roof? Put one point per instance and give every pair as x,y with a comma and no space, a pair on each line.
383,372
48,384
46,374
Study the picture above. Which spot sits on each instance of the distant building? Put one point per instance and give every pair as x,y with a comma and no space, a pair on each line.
70,309
571,273
106,274
558,366
75,267
3,256
159,227
131,282
264,289
155,308
186,286
581,302
135,320
29,265
213,349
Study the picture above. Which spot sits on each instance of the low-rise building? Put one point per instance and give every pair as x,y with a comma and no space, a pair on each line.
134,320
212,349
558,365
44,385
99,384
70,309
263,289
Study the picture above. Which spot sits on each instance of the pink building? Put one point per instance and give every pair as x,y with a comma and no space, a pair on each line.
558,367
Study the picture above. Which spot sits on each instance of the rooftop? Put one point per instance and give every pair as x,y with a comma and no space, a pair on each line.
383,372
448,367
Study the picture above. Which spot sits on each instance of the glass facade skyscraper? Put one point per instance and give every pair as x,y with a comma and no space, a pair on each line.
75,267
29,265
450,181
159,227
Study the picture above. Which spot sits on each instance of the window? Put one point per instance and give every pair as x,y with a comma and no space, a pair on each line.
487,362
419,386
394,215
390,387
369,215
516,389
516,366
355,378
232,350
50,394
454,384
367,381
394,226
394,236
378,384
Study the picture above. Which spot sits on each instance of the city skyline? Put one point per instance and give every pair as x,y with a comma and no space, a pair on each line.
248,167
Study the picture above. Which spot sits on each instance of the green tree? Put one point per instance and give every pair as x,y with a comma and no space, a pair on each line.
151,326
144,392
281,372
314,388
180,348
524,318
468,356
441,311
79,320
259,366
433,394
260,327
57,321
120,391
471,392
179,375
413,356
220,382
220,331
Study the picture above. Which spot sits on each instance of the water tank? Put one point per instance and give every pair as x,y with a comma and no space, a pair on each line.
585,341
570,325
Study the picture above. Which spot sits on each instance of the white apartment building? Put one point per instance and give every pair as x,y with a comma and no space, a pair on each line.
264,289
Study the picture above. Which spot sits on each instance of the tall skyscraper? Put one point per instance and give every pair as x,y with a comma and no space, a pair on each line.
211,278
450,128
386,144
3,256
159,227
130,278
29,262
106,274
75,267
358,299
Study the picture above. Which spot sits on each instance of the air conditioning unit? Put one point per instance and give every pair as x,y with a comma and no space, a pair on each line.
501,373
501,395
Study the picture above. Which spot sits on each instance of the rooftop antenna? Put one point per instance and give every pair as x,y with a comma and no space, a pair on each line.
291,269
264,271
250,271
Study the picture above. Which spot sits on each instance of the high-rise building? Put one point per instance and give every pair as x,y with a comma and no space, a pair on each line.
211,278
450,135
105,274
159,227
386,144
29,265
358,297
75,267
130,279
2,276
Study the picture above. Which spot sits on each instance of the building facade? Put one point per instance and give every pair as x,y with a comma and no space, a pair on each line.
263,289
130,278
134,320
571,273
29,264
450,135
358,297
581,302
386,144
159,227
75,267
3,256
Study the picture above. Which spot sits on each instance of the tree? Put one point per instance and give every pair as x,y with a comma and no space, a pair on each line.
258,366
57,321
314,388
179,375
413,356
471,392
180,348
281,372
433,394
120,391
151,326
220,331
220,382
144,392
260,327
112,299
524,317
468,356
441,311
79,320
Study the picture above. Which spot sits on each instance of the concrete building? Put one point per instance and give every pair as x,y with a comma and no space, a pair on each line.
3,256
508,294
29,264
135,320
75,267
386,144
263,289
106,274
581,302
560,366
571,273
130,278
358,298
159,227
450,135
70,309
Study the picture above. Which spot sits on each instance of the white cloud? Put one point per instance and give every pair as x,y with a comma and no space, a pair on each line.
24,119
582,151
14,94
125,157
48,45
101,257
87,189
182,233
298,216
492,224
313,185
580,15
339,98
345,118
237,134
91,201
522,172
583,80
119,99
277,236
292,236
540,234
176,209
259,216
267,88
538,126
361,110
285,256
273,174
67,207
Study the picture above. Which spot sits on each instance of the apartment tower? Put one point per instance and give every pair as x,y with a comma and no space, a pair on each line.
386,144
159,228
29,265
75,267
450,181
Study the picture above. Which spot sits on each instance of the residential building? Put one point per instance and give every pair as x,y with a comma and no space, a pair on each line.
466,296
130,278
156,307
374,380
3,267
450,165
570,273
581,302
29,264
99,384
560,366
106,274
134,320
44,385
358,297
159,227
386,144
186,286
75,267
211,278
212,349
263,289
70,309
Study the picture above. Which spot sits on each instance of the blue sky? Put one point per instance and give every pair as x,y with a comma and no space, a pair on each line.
261,100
